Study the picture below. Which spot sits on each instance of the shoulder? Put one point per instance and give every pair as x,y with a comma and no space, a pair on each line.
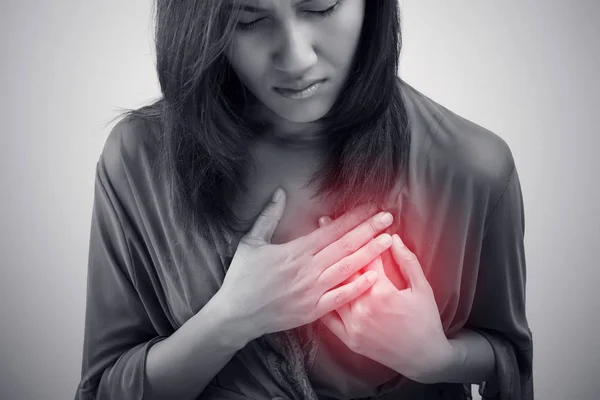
129,153
459,146
132,137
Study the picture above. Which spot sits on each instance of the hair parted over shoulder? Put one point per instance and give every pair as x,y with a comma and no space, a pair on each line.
206,125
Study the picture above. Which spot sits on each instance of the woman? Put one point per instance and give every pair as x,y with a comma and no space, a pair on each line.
202,286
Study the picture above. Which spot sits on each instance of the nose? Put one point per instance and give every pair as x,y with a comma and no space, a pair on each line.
295,54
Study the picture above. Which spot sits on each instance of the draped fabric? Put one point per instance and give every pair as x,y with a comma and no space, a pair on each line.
458,207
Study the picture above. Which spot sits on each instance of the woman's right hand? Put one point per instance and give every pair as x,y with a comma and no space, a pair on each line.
275,287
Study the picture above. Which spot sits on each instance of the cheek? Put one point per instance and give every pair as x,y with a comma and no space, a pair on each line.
341,37
248,61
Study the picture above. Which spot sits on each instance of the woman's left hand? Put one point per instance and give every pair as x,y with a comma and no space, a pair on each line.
400,329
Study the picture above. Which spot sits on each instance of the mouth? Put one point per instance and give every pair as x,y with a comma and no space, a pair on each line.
301,90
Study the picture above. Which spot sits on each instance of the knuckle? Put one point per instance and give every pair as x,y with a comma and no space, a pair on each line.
348,246
374,225
344,267
339,298
375,248
286,254
354,338
359,286
358,332
410,256
362,311
345,244
267,212
338,230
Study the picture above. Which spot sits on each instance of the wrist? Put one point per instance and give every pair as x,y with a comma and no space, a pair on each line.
448,358
468,359
238,330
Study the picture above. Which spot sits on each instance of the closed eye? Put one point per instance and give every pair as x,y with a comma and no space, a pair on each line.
317,13
249,25
328,11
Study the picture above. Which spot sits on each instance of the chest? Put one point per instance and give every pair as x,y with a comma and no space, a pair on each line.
290,170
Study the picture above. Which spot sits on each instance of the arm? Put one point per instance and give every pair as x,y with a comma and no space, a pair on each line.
471,361
183,365
495,346
124,357
498,312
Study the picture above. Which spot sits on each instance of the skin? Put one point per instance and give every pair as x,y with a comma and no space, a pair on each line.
292,42
286,44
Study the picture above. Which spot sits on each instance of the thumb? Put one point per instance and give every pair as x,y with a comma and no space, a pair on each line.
263,228
324,221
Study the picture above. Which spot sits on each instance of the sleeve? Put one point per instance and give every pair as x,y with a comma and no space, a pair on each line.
118,332
498,311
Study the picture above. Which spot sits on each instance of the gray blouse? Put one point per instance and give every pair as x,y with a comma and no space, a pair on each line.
458,207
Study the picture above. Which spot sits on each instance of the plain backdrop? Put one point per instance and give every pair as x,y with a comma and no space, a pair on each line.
527,70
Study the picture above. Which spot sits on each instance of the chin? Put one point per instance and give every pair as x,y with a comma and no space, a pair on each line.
302,113
302,118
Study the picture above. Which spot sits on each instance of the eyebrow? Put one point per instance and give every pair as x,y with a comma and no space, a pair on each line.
253,9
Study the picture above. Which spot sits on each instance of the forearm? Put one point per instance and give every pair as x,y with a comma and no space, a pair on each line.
182,365
472,361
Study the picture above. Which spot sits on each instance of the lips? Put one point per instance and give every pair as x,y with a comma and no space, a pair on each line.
299,85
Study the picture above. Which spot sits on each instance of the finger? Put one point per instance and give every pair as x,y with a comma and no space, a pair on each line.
327,220
335,298
323,237
263,228
352,278
324,221
409,264
353,240
347,266
377,265
335,324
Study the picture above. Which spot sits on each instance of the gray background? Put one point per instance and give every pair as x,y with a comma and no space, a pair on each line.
525,70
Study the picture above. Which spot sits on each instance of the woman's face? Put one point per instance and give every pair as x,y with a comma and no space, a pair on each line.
281,45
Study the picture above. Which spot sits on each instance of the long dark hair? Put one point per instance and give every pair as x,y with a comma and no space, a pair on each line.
205,126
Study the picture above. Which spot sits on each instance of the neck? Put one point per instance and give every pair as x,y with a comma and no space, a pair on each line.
296,140
283,132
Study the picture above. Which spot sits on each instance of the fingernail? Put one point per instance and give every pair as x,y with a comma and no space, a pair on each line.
386,218
384,239
397,238
277,194
371,276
